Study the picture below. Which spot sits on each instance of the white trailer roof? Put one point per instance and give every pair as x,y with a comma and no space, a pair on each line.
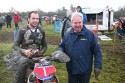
92,11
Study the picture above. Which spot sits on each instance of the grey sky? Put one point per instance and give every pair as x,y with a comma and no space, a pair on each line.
53,5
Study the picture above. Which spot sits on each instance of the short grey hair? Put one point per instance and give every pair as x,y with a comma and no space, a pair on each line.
69,12
76,14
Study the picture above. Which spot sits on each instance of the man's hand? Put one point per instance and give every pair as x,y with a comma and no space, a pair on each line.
97,72
28,52
39,53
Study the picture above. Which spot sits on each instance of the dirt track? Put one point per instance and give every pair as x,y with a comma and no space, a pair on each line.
114,63
8,37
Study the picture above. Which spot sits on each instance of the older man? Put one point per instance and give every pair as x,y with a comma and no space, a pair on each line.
66,23
80,44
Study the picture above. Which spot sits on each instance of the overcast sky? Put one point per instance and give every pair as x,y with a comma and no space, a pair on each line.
53,5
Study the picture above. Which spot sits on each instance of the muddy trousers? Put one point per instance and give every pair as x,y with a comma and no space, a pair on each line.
20,74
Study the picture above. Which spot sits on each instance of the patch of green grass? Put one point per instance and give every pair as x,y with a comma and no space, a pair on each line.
113,62
49,29
5,75
113,67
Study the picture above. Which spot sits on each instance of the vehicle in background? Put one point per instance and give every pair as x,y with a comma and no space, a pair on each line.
102,19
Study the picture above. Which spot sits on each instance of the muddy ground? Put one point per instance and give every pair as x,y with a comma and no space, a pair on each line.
8,37
114,63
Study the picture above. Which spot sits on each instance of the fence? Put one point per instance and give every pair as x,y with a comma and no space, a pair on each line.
120,36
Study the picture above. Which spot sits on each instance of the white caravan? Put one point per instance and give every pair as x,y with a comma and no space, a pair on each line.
102,19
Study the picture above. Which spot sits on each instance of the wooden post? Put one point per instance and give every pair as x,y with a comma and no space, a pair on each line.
97,24
95,29
114,44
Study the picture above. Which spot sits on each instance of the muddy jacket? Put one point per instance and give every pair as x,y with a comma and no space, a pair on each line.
27,39
81,47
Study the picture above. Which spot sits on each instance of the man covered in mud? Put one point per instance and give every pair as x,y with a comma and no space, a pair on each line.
29,39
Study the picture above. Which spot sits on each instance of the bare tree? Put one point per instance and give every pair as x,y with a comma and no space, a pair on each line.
73,9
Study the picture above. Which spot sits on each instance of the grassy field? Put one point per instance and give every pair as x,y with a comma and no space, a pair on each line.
113,62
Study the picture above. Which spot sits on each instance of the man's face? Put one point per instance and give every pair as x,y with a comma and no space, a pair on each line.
77,23
33,20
